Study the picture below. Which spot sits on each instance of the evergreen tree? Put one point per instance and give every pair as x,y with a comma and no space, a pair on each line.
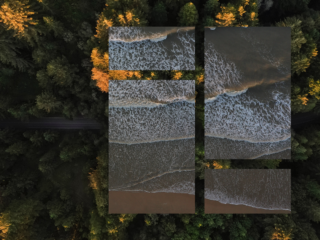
188,15
159,14
48,102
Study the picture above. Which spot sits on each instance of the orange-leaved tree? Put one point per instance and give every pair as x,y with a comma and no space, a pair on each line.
116,13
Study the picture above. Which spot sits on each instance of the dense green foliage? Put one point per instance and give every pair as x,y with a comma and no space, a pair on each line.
54,61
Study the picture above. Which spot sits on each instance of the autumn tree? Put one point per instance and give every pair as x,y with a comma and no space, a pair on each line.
17,16
238,13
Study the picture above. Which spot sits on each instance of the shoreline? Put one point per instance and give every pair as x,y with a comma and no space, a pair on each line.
216,207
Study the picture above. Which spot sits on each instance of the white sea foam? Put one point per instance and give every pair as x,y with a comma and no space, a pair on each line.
219,72
223,148
145,93
159,39
141,52
243,117
137,34
235,93
264,189
151,136
133,117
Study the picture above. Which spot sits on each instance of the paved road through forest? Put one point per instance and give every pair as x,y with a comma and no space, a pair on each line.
298,121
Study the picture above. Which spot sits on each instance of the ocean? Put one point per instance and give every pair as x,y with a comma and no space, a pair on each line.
267,189
151,136
152,48
247,93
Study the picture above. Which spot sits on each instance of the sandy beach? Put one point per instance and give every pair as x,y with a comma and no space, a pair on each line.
219,208
145,203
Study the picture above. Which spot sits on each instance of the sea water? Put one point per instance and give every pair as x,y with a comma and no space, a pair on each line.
247,93
151,48
151,135
268,189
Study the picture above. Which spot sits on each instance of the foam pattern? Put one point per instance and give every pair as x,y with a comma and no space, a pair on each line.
151,53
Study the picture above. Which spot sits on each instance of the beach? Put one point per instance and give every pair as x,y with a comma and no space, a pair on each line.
145,203
216,207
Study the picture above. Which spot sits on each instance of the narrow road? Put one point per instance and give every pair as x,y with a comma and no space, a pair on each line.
303,119
52,123
298,121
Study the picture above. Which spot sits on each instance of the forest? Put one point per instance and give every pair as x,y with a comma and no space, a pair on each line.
54,62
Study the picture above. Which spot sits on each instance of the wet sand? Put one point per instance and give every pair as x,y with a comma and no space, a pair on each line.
142,202
220,208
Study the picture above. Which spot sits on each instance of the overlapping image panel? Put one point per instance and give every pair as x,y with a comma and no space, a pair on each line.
151,146
152,48
248,191
247,93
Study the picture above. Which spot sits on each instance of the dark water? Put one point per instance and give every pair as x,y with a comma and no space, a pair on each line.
247,92
260,188
151,48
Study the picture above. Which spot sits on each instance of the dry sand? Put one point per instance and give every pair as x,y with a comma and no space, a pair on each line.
145,203
219,208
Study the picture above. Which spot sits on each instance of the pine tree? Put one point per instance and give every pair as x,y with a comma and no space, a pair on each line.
188,15
210,9
159,14
48,102
18,148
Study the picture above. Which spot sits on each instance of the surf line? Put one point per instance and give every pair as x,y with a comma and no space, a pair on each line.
153,37
285,138
269,153
153,141
151,104
151,178
248,205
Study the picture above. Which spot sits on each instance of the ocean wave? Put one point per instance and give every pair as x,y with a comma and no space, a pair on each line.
138,34
283,138
222,148
145,93
169,182
270,153
153,55
264,189
243,117
220,73
153,140
230,93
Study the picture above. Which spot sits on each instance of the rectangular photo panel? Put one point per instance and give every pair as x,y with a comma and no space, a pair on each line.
245,191
152,48
152,146
247,93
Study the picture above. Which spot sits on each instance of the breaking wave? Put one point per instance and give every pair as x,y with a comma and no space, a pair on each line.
265,189
152,54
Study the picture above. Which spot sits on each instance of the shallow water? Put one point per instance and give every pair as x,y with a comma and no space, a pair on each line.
260,188
247,92
151,136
